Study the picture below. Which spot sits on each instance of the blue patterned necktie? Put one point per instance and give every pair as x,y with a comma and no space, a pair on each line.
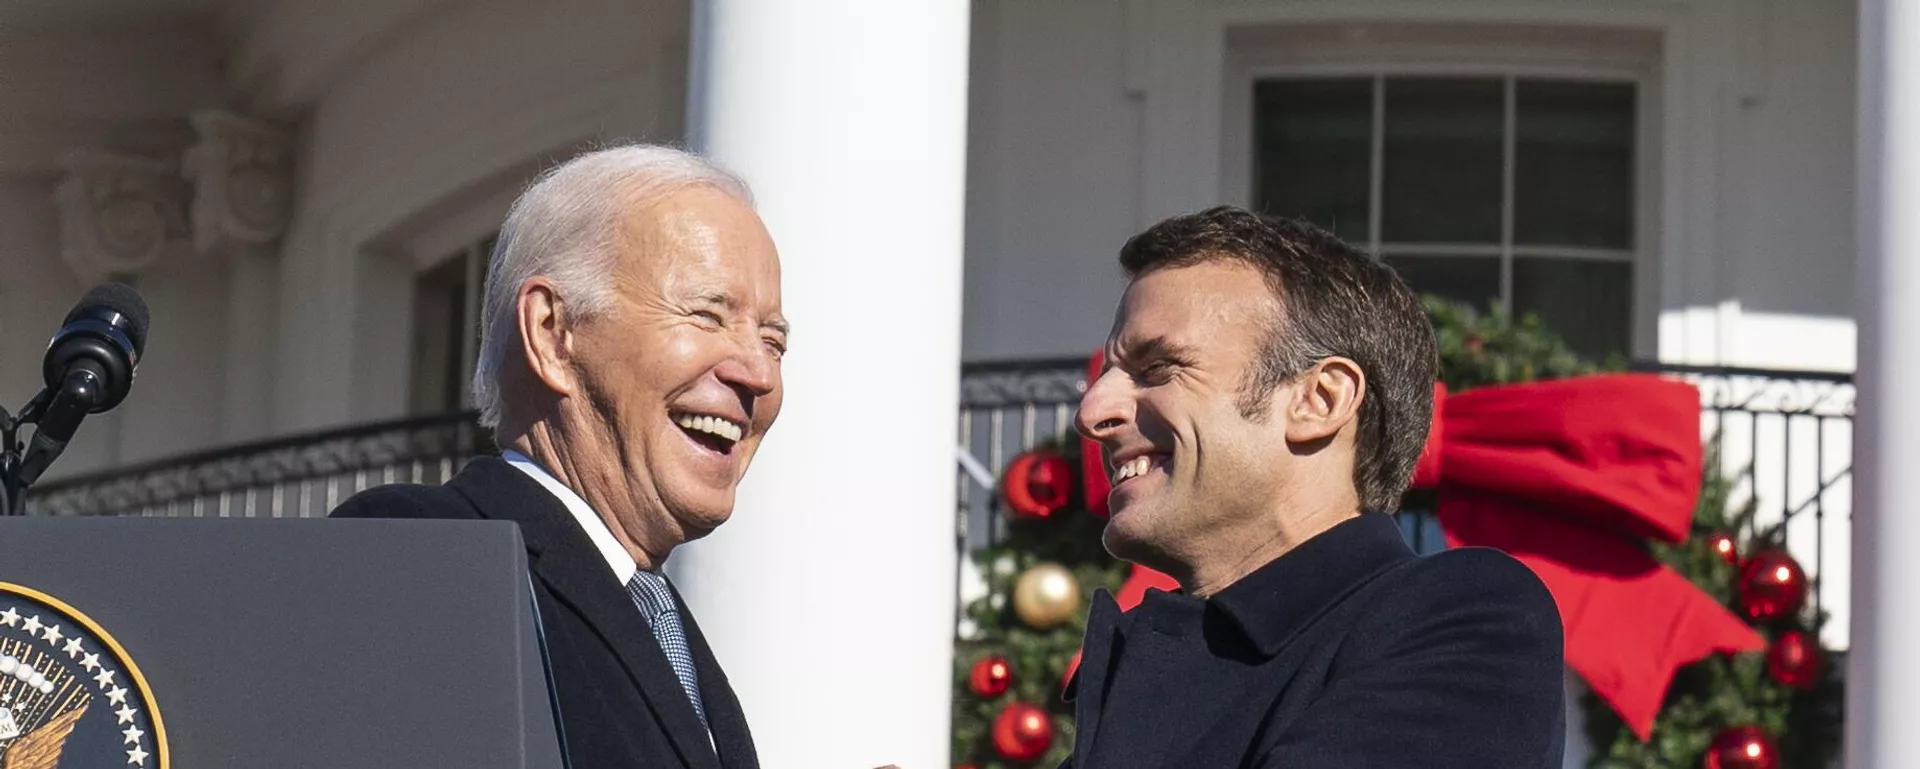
650,593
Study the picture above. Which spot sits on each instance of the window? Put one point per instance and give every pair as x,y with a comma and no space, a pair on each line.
446,330
1501,189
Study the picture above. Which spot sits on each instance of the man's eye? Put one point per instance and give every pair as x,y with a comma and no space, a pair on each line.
778,346
709,317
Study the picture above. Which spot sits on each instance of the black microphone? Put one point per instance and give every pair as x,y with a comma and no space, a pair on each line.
89,369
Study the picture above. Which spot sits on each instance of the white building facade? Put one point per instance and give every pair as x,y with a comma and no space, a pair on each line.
305,192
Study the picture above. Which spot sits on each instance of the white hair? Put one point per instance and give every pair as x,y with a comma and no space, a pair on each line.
566,227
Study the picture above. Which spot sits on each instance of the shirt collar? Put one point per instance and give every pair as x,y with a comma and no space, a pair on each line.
1280,598
618,559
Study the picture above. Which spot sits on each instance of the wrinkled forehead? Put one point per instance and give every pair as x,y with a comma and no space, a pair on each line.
1192,305
700,239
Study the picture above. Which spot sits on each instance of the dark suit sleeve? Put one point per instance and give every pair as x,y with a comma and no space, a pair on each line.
388,502
1461,665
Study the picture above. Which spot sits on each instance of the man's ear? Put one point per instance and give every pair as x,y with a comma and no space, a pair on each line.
546,335
1326,400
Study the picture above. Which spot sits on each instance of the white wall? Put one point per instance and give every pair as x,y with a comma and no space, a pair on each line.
1789,233
1095,119
453,103
1053,177
124,89
36,290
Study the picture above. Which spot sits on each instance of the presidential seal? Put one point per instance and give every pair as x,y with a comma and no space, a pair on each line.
69,695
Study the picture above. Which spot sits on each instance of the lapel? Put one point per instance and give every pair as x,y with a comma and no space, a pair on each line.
724,714
561,556
1087,690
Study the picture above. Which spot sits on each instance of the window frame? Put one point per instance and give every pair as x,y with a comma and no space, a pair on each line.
1310,52
473,257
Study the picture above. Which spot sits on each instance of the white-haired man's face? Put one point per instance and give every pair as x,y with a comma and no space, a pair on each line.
683,373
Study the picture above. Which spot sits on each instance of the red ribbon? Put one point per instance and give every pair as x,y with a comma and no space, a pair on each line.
1570,477
1093,463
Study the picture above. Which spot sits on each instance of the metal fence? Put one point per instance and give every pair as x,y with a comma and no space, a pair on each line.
298,477
1784,440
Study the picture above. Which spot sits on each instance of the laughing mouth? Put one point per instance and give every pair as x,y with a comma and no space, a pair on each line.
717,433
1136,467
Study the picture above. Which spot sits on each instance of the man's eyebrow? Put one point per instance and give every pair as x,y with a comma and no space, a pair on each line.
727,301
1146,349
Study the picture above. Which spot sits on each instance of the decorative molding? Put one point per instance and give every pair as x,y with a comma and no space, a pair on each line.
242,175
118,213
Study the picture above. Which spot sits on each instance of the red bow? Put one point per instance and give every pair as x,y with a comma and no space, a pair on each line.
1570,477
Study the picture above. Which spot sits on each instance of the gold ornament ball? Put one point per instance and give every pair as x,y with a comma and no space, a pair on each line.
1046,596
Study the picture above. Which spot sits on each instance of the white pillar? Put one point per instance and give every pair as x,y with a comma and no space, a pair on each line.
253,312
829,596
242,174
1883,670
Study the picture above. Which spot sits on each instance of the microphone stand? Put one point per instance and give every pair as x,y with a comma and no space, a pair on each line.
12,486
9,463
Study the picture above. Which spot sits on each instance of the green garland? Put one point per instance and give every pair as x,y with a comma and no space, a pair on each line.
1476,350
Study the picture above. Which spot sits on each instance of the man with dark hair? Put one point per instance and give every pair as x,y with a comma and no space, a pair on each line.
1268,391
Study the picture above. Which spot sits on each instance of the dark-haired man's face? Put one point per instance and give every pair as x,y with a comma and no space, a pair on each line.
1194,460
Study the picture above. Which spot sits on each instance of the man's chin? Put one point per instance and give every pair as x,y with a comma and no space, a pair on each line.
1128,538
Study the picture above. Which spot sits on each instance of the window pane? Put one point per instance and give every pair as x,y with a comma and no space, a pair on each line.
1573,164
1442,172
1588,302
439,335
1471,279
1313,142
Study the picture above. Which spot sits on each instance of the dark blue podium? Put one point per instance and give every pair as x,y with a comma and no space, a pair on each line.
287,643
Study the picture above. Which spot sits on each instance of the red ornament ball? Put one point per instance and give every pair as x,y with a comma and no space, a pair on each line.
1794,660
1772,586
1022,732
1724,546
990,677
1742,747
1037,484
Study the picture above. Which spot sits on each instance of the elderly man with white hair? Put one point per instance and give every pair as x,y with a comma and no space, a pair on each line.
631,338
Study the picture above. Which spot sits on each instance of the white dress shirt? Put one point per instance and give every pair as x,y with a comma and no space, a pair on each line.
618,559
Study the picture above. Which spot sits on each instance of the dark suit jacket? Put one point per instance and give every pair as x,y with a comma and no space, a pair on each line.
1348,652
620,702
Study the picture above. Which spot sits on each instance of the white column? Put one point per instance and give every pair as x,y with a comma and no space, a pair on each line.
242,172
253,315
829,596
1883,666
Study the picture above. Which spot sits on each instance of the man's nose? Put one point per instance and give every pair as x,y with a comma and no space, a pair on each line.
753,368
1106,407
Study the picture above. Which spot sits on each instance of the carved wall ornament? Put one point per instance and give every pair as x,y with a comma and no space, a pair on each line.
242,175
118,213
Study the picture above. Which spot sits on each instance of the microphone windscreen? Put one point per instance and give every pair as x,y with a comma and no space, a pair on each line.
121,299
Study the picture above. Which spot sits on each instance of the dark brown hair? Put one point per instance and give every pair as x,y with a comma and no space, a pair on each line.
1335,300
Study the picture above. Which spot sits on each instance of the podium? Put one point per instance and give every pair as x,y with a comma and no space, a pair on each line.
154,643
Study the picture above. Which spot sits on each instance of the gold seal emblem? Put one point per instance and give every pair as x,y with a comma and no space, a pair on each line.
69,694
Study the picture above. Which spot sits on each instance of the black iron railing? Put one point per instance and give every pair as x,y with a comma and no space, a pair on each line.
302,476
1785,439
